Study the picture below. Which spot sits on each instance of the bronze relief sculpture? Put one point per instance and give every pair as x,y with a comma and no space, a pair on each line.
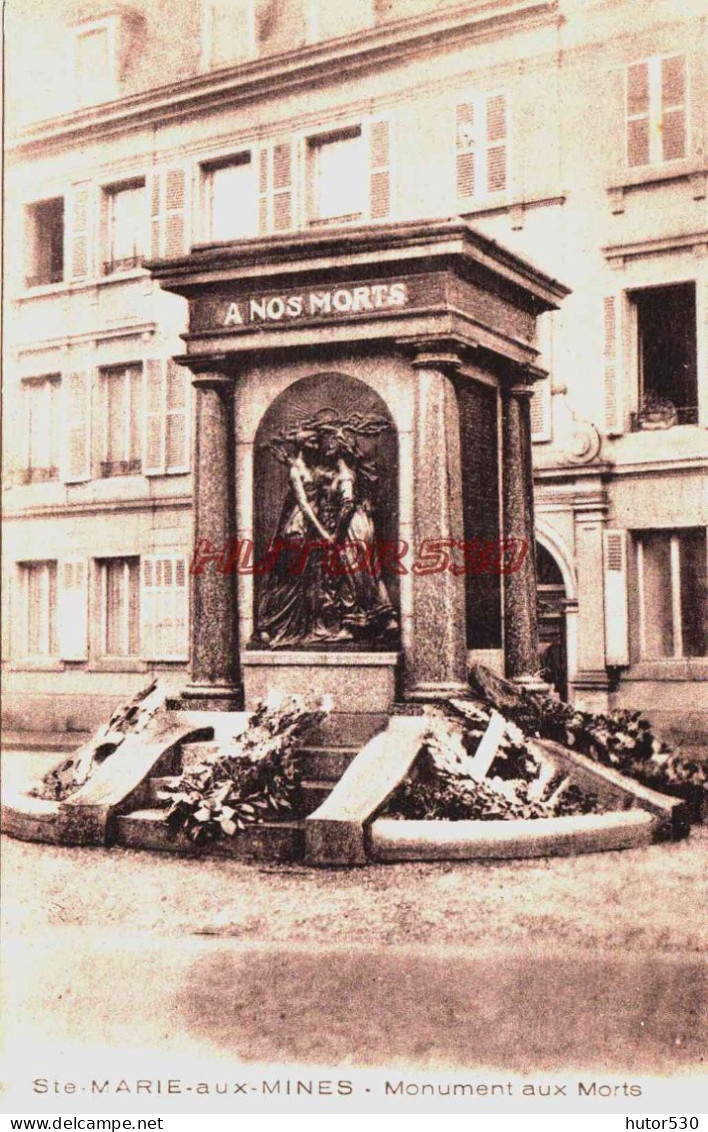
324,582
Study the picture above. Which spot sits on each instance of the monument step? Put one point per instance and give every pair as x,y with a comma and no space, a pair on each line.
276,841
327,764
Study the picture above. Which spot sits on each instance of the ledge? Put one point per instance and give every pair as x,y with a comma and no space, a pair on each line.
313,659
273,76
628,179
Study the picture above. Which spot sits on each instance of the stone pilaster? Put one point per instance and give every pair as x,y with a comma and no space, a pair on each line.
436,638
520,596
590,682
215,671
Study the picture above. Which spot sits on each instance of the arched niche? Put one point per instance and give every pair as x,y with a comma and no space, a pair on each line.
319,407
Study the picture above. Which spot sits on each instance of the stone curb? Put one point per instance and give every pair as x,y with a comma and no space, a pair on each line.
391,840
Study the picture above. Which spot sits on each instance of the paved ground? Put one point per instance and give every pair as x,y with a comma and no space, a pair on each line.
595,961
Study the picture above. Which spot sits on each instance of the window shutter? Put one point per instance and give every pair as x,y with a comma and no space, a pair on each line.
163,608
465,146
73,609
77,387
156,188
263,189
282,186
80,244
673,107
541,409
638,136
176,430
496,143
168,212
616,613
176,211
380,168
612,366
154,440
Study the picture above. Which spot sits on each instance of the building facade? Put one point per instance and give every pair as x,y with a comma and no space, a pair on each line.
571,132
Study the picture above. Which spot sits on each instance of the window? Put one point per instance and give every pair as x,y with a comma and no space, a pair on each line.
481,144
40,397
39,597
231,192
125,220
228,32
122,403
45,242
164,607
656,110
94,53
667,358
328,20
119,603
338,178
671,577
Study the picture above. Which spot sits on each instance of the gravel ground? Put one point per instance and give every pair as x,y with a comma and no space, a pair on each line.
651,899
594,961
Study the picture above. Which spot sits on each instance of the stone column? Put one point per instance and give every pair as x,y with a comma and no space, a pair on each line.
435,640
215,674
520,595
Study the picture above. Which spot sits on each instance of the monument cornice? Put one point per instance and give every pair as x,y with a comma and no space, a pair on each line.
339,254
274,75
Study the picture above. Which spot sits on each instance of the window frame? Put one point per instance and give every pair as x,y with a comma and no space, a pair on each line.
109,264
109,25
312,34
247,156
35,281
125,371
51,631
654,113
207,36
674,537
46,471
629,342
101,566
313,142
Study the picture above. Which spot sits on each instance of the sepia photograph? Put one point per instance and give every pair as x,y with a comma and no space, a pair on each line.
354,558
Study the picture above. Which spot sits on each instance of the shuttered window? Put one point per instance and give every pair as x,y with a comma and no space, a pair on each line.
481,167
41,428
542,400
39,598
167,400
656,105
119,582
122,397
164,609
81,231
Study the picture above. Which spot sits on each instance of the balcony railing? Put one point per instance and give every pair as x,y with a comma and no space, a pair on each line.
37,475
682,415
121,468
127,263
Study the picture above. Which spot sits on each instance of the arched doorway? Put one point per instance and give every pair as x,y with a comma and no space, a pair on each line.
552,638
326,465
